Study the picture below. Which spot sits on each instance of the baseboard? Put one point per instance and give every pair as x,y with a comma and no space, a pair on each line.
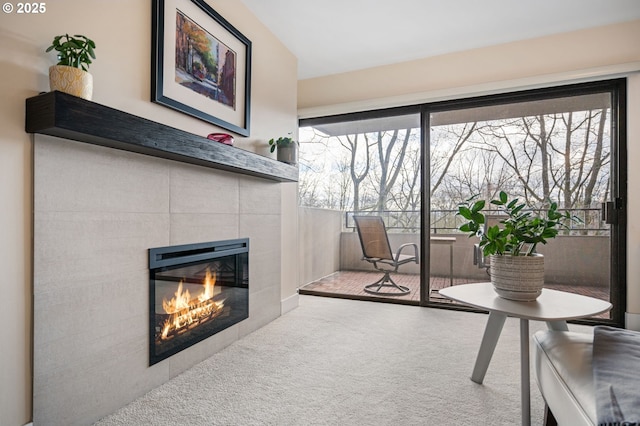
29,424
289,304
632,321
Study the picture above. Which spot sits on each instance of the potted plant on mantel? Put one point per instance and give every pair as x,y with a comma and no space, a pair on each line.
287,149
516,270
71,73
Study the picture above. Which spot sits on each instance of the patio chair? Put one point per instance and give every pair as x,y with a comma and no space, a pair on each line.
377,251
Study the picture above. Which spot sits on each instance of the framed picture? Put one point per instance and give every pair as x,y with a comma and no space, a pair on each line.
201,64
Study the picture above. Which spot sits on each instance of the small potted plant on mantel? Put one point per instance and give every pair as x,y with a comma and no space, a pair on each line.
516,270
287,149
71,73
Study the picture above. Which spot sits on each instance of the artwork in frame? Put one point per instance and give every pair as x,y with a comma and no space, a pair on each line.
201,64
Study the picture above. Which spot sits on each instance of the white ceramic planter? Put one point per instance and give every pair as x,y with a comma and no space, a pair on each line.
517,277
71,80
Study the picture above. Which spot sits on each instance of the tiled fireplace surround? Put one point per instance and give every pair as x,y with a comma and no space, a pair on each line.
96,212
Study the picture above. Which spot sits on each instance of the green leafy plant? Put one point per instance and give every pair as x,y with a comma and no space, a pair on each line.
519,231
281,141
74,51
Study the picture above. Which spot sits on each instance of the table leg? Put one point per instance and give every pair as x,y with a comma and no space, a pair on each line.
489,340
557,325
525,385
451,265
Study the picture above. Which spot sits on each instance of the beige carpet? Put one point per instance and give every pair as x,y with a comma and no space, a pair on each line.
347,362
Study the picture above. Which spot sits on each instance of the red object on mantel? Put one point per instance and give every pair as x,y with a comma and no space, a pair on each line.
222,138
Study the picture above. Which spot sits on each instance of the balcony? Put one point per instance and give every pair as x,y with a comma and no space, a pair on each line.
331,264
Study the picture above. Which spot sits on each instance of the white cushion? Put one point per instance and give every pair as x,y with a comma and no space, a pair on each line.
564,374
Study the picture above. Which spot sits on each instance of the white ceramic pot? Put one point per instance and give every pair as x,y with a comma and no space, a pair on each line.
71,80
517,277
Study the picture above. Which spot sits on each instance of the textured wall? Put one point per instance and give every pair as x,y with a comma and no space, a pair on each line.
121,74
319,234
97,211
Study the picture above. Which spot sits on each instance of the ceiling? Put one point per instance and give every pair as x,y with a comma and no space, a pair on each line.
334,36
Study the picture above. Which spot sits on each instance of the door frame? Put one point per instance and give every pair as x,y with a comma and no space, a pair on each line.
618,238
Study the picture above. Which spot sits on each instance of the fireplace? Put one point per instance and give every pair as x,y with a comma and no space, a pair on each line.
195,291
91,294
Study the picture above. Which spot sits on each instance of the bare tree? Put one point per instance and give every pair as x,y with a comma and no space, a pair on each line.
583,179
441,160
406,196
391,149
551,156
342,183
560,156
356,145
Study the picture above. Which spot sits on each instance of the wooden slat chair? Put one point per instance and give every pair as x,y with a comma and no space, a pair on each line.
377,251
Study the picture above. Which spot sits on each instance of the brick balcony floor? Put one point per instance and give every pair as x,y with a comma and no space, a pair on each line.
350,284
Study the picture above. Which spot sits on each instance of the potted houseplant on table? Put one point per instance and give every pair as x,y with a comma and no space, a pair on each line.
71,73
517,271
287,149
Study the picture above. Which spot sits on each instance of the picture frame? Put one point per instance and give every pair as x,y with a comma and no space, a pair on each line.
201,64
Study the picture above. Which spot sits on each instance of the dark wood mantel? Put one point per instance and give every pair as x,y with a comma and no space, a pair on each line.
65,116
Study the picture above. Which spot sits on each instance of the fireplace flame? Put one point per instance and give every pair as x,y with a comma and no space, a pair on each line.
186,311
209,283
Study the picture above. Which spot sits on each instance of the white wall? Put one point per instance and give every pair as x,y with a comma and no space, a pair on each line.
122,32
319,233
506,67
597,53
633,179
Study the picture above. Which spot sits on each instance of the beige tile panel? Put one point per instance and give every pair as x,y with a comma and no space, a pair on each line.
72,249
259,196
264,254
88,392
97,213
197,189
189,228
73,176
264,307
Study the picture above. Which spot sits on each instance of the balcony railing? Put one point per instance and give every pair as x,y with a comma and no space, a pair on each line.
447,221
579,258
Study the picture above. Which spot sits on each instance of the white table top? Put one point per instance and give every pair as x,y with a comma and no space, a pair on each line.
552,305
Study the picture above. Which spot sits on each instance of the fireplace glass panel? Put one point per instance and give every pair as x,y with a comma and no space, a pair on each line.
200,291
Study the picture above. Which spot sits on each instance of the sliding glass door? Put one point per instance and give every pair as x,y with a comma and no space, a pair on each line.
365,164
563,145
414,165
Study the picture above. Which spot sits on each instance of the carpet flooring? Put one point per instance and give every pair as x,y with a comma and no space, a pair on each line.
348,362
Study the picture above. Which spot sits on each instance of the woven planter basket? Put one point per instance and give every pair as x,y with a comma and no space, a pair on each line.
517,277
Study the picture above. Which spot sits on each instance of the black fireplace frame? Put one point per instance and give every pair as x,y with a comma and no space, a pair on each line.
163,258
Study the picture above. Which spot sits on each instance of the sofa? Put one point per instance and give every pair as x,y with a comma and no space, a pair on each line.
563,370
589,379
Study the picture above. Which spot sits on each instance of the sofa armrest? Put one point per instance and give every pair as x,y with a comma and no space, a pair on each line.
564,373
